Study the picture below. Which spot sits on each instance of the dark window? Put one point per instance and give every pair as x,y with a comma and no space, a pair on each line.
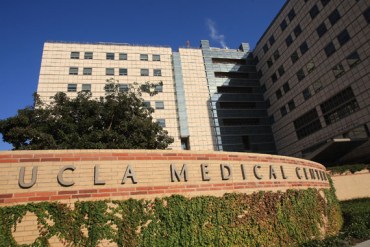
123,56
265,48
159,88
283,111
87,71
367,15
230,89
146,104
294,57
306,94
230,61
317,86
291,15
86,87
307,124
156,58
334,17
338,70
109,56
281,70
237,105
240,121
259,74
109,88
324,2
314,11
303,47
289,40
124,88
329,49
122,71
272,40
276,55
291,105
246,143
269,63
274,78
75,55
300,75
88,55
297,30
185,144
321,29
143,57
278,94
263,88
157,72
283,25
159,105
72,88
144,72
310,66
73,71
286,87
353,59
343,37
161,122
109,71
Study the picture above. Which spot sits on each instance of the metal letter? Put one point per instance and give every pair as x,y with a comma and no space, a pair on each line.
223,172
255,172
272,172
96,176
60,175
283,173
297,172
243,172
176,176
204,168
21,182
129,173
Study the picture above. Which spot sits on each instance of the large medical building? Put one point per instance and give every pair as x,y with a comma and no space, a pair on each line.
304,91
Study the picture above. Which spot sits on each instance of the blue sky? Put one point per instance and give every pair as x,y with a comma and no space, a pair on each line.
25,25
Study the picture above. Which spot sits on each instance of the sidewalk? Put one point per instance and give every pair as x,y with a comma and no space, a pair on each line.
363,244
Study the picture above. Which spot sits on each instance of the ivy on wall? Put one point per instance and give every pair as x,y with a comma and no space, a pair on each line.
259,219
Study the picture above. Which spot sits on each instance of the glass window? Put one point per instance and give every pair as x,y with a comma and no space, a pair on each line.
329,49
159,105
314,11
146,104
343,37
324,2
276,55
306,94
283,25
274,78
367,15
88,55
122,71
73,70
291,105
289,40
338,70
286,87
300,75
123,88
157,72
272,40
334,17
161,122
110,56
109,88
86,87
278,94
159,88
75,55
144,72
303,47
123,56
294,57
283,111
265,48
281,70
87,71
353,59
72,88
109,71
156,57
317,86
143,57
291,15
307,124
310,66
321,29
269,63
297,30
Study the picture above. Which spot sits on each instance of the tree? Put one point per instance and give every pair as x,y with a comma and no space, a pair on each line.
120,120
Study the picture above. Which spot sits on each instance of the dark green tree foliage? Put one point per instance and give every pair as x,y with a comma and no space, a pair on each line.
119,120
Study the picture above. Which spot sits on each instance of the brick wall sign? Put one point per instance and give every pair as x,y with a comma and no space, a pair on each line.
70,175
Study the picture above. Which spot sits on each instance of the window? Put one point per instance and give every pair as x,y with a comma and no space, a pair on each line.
353,59
156,57
259,74
289,40
310,66
87,71
306,94
303,47
317,86
72,88
329,49
265,48
269,63
86,87
159,88
109,88
321,29
73,70
110,56
300,75
122,56
283,111
338,70
297,30
291,105
314,11
109,71
343,37
276,55
122,71
286,87
281,70
146,104
157,72
278,94
334,17
272,40
143,57
274,78
283,25
75,55
144,72
324,2
294,57
291,15
307,124
123,88
159,105
185,144
161,122
88,55
367,15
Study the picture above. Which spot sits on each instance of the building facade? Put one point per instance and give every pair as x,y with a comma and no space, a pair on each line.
304,91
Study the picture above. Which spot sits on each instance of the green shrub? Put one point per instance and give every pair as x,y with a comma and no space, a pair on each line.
351,168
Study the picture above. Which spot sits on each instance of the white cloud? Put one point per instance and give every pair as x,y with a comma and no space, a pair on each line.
215,36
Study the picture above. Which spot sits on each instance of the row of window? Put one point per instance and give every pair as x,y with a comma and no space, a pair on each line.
111,56
343,37
86,87
111,71
290,106
285,89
